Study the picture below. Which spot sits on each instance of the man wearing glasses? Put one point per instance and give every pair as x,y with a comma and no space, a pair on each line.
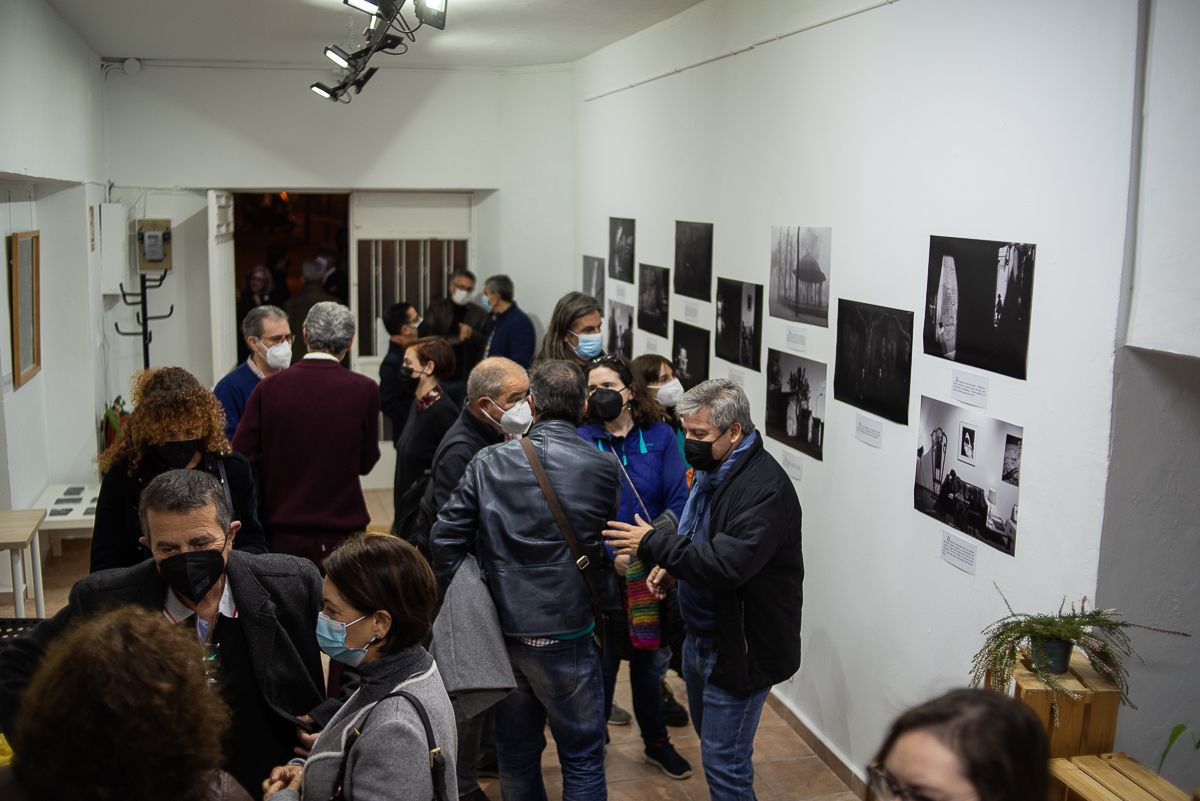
269,338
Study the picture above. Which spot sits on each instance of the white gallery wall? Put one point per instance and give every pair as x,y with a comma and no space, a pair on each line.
1009,122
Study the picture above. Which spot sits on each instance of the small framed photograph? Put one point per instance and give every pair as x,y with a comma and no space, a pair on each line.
966,443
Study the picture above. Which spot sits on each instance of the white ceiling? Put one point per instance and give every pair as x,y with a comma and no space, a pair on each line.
479,33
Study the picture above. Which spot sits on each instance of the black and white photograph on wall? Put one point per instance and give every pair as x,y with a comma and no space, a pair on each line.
693,259
796,402
620,329
973,496
739,322
966,443
874,359
620,249
653,299
689,354
593,278
977,301
800,274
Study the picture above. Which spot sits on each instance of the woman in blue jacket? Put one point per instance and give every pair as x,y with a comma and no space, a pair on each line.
625,419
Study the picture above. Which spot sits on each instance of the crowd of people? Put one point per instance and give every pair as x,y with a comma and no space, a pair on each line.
565,510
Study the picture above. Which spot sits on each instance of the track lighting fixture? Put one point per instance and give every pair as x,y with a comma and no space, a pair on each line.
385,33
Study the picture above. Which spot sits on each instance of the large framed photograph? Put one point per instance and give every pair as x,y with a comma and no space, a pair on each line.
739,322
620,329
653,299
975,495
24,305
593,278
874,359
620,249
693,259
689,354
799,288
796,402
978,296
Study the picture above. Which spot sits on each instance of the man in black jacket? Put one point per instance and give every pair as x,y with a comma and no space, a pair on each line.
258,613
495,387
395,390
463,324
546,609
738,560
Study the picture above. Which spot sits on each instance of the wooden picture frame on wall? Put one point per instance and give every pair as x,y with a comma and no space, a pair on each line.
24,305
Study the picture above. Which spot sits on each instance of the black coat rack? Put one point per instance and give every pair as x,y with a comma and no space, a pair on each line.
143,316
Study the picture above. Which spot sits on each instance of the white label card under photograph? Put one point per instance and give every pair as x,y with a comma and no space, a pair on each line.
737,377
868,430
797,339
691,311
970,389
651,344
620,289
959,551
793,465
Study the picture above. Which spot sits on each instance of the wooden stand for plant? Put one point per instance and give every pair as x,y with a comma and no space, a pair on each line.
1108,777
1085,726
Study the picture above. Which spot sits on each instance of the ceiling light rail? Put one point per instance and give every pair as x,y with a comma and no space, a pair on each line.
385,33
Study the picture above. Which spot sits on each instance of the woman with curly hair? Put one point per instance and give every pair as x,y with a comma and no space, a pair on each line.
176,423
94,727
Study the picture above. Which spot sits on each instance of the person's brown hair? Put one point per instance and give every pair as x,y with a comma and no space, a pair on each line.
438,351
649,367
167,399
1000,743
376,571
120,708
570,307
642,406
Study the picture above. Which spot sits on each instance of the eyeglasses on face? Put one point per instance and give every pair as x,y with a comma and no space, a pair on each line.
884,787
279,339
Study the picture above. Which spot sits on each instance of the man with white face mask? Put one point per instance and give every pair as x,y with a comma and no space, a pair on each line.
463,324
269,338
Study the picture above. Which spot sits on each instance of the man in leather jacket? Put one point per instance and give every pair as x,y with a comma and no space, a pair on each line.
500,513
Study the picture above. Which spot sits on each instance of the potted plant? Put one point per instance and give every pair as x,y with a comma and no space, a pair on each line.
1101,634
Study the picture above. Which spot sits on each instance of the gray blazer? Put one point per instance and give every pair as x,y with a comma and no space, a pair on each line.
277,597
390,760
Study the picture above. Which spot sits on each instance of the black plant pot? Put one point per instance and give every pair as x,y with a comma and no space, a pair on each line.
1052,655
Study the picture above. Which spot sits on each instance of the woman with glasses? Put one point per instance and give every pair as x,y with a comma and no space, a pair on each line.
176,424
966,745
576,330
625,419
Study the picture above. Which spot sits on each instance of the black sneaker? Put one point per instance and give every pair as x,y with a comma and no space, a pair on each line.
668,760
619,716
674,713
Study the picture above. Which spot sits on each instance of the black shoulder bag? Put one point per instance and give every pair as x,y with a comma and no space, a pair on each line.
581,559
437,762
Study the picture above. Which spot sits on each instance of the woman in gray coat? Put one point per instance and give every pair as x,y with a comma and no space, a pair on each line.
379,601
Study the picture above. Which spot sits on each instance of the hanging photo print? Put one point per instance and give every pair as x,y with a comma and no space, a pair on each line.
689,354
796,402
620,329
593,278
620,249
739,322
653,299
800,274
693,260
874,359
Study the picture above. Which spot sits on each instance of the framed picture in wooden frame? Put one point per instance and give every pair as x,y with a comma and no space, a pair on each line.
24,305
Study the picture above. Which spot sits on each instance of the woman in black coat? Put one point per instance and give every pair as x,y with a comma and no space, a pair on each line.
176,424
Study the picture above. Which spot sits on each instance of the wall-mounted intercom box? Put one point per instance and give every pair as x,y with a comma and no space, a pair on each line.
152,239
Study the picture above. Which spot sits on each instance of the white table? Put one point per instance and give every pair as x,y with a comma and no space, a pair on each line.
69,508
19,533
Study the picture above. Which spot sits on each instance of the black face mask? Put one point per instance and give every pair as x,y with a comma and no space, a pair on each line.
192,574
173,455
699,454
605,405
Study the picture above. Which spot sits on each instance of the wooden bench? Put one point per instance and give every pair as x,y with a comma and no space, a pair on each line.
1109,777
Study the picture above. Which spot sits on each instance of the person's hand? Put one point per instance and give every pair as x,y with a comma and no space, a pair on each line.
658,581
306,737
465,331
621,564
625,537
284,777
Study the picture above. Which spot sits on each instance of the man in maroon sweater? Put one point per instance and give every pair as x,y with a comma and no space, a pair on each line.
310,432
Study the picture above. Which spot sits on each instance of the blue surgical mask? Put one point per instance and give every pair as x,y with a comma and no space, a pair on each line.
589,346
331,638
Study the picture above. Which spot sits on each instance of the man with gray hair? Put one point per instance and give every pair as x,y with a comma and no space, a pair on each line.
738,560
310,432
299,305
256,612
269,338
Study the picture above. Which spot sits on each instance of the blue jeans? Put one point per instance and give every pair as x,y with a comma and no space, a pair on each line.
646,670
562,684
725,722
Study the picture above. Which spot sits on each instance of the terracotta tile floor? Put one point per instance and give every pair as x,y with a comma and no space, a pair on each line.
785,767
